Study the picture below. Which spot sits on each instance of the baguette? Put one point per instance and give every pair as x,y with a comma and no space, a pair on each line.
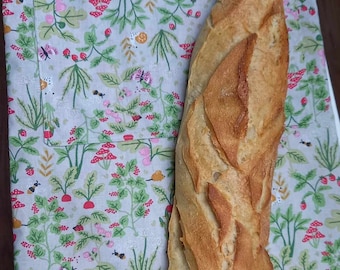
227,145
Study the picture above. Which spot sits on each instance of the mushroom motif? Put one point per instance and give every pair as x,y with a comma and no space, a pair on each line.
313,235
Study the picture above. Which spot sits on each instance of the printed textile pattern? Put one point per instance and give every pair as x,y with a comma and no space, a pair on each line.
95,96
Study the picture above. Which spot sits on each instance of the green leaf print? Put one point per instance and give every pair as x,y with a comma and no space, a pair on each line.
131,192
308,45
331,254
39,251
334,221
285,226
161,46
77,79
36,236
306,181
285,259
327,153
126,12
89,190
72,17
68,181
143,263
304,262
58,256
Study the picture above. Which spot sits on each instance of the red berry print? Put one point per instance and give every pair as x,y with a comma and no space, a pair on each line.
332,177
66,52
303,205
48,134
29,171
169,208
107,32
172,26
83,56
304,101
324,180
74,57
304,8
198,14
189,12
311,11
22,132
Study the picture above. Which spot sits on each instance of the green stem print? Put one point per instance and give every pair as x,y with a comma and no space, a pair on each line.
147,150
291,155
285,260
163,197
26,39
127,12
309,45
51,122
142,262
58,17
21,145
113,80
171,110
314,87
327,153
293,114
69,181
96,236
74,154
305,262
171,16
128,110
284,226
41,227
161,46
91,47
279,263
32,111
131,191
77,79
304,181
89,190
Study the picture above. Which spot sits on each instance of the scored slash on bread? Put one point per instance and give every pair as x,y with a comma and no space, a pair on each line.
227,146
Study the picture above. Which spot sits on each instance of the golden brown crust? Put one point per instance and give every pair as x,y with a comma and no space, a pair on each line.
227,145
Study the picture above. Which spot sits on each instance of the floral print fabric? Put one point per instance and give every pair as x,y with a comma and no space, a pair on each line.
96,91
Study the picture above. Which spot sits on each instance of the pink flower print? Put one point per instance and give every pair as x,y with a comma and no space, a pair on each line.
86,254
118,119
60,6
145,151
321,54
106,103
146,161
295,14
154,140
109,244
49,19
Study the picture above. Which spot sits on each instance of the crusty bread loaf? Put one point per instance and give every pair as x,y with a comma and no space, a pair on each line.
226,151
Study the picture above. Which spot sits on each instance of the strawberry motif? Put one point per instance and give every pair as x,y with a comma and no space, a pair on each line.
29,170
